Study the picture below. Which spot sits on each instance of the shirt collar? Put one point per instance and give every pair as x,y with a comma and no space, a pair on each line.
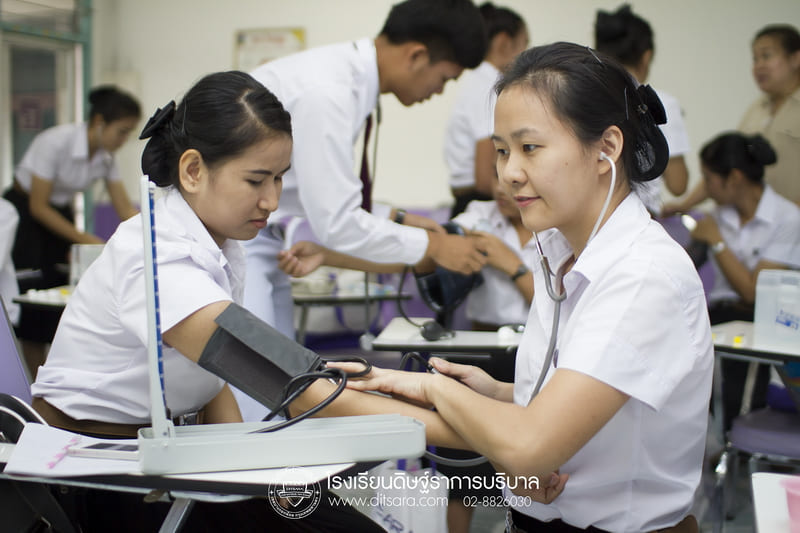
627,221
80,145
766,211
189,224
365,49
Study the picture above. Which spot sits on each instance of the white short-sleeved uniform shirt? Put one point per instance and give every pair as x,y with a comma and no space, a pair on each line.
61,155
497,300
678,141
330,91
773,234
9,289
635,318
97,365
471,120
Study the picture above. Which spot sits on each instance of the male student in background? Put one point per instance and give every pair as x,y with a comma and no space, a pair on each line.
330,92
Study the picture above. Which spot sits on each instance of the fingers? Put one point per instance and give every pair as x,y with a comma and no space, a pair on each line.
556,487
447,368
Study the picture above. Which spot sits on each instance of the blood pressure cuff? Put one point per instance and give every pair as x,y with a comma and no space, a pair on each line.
254,357
443,290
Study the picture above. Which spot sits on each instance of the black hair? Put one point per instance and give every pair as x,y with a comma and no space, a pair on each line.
452,30
590,92
623,35
786,34
500,20
730,150
221,116
112,104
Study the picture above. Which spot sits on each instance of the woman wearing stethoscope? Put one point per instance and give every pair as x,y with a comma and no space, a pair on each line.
617,335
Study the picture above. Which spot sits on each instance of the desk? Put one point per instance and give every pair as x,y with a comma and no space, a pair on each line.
306,300
769,503
402,336
734,340
219,487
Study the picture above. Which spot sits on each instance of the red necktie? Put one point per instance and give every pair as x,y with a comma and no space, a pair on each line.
366,183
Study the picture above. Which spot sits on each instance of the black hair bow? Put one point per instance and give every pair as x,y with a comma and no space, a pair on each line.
159,118
652,103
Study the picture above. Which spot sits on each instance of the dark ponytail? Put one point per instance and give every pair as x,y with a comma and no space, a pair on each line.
735,150
221,117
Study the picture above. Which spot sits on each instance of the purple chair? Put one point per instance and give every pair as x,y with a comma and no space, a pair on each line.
769,436
678,231
14,379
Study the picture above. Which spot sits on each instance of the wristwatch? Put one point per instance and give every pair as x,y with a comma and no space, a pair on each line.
399,215
718,247
521,271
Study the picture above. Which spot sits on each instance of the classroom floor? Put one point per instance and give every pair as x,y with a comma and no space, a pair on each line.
492,520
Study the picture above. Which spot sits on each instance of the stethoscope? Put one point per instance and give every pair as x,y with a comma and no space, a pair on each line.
548,281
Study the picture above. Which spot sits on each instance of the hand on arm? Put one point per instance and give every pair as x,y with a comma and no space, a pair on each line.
455,252
519,440
47,216
503,258
738,275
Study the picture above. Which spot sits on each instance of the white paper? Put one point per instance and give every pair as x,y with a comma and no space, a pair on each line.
41,451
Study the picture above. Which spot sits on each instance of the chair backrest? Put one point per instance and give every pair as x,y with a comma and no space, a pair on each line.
14,377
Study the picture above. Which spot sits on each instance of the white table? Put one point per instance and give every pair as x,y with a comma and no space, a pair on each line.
769,503
735,340
402,336
501,348
305,300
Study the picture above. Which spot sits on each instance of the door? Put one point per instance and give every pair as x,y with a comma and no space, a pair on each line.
40,87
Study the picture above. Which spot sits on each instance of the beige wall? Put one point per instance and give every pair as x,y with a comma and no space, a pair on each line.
158,48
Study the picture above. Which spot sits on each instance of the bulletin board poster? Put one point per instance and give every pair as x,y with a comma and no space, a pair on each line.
257,46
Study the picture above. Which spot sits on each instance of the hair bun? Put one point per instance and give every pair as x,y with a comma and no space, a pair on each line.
612,26
760,150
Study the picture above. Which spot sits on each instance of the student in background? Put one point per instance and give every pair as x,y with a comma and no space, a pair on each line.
468,150
751,228
505,295
330,92
627,368
629,39
8,276
60,162
775,114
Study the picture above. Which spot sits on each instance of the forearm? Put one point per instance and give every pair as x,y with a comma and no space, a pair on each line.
351,403
493,428
676,176
340,260
738,275
695,196
59,225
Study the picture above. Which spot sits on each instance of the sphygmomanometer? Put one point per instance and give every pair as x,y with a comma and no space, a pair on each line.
265,364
